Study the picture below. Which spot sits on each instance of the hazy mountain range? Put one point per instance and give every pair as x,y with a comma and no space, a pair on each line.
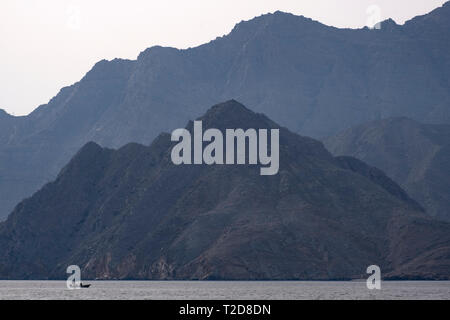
132,214
413,154
313,79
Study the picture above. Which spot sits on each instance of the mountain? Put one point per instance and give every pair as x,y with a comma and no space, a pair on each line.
132,214
414,154
311,78
6,121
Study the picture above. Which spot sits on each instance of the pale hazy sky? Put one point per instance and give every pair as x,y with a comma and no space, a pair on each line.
48,44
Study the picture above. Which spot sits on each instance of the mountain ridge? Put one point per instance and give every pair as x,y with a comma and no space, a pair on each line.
131,214
412,153
341,78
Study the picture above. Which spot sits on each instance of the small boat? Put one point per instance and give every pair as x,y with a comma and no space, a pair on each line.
84,285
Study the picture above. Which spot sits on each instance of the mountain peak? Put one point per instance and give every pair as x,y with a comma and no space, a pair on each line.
105,69
157,51
91,157
389,22
91,146
233,114
287,15
227,108
89,150
277,21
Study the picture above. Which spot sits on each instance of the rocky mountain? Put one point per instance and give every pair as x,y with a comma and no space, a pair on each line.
6,121
132,214
415,155
313,79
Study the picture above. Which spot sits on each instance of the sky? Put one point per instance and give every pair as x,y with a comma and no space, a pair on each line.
48,44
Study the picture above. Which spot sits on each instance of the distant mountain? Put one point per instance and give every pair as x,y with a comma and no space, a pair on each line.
415,155
313,79
6,122
132,214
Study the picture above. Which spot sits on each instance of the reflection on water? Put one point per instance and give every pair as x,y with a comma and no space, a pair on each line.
258,290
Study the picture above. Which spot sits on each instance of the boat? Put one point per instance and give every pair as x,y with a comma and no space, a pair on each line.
85,285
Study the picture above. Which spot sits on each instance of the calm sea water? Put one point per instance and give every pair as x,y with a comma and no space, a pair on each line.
175,290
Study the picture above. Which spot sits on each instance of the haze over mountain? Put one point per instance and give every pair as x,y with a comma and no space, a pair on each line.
311,78
131,213
415,155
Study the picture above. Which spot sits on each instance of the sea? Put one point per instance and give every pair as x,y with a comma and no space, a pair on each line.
225,290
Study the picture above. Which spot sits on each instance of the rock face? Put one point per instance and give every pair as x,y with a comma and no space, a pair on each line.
415,155
131,214
311,78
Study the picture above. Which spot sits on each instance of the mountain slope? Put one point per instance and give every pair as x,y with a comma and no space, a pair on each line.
309,77
415,155
131,213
